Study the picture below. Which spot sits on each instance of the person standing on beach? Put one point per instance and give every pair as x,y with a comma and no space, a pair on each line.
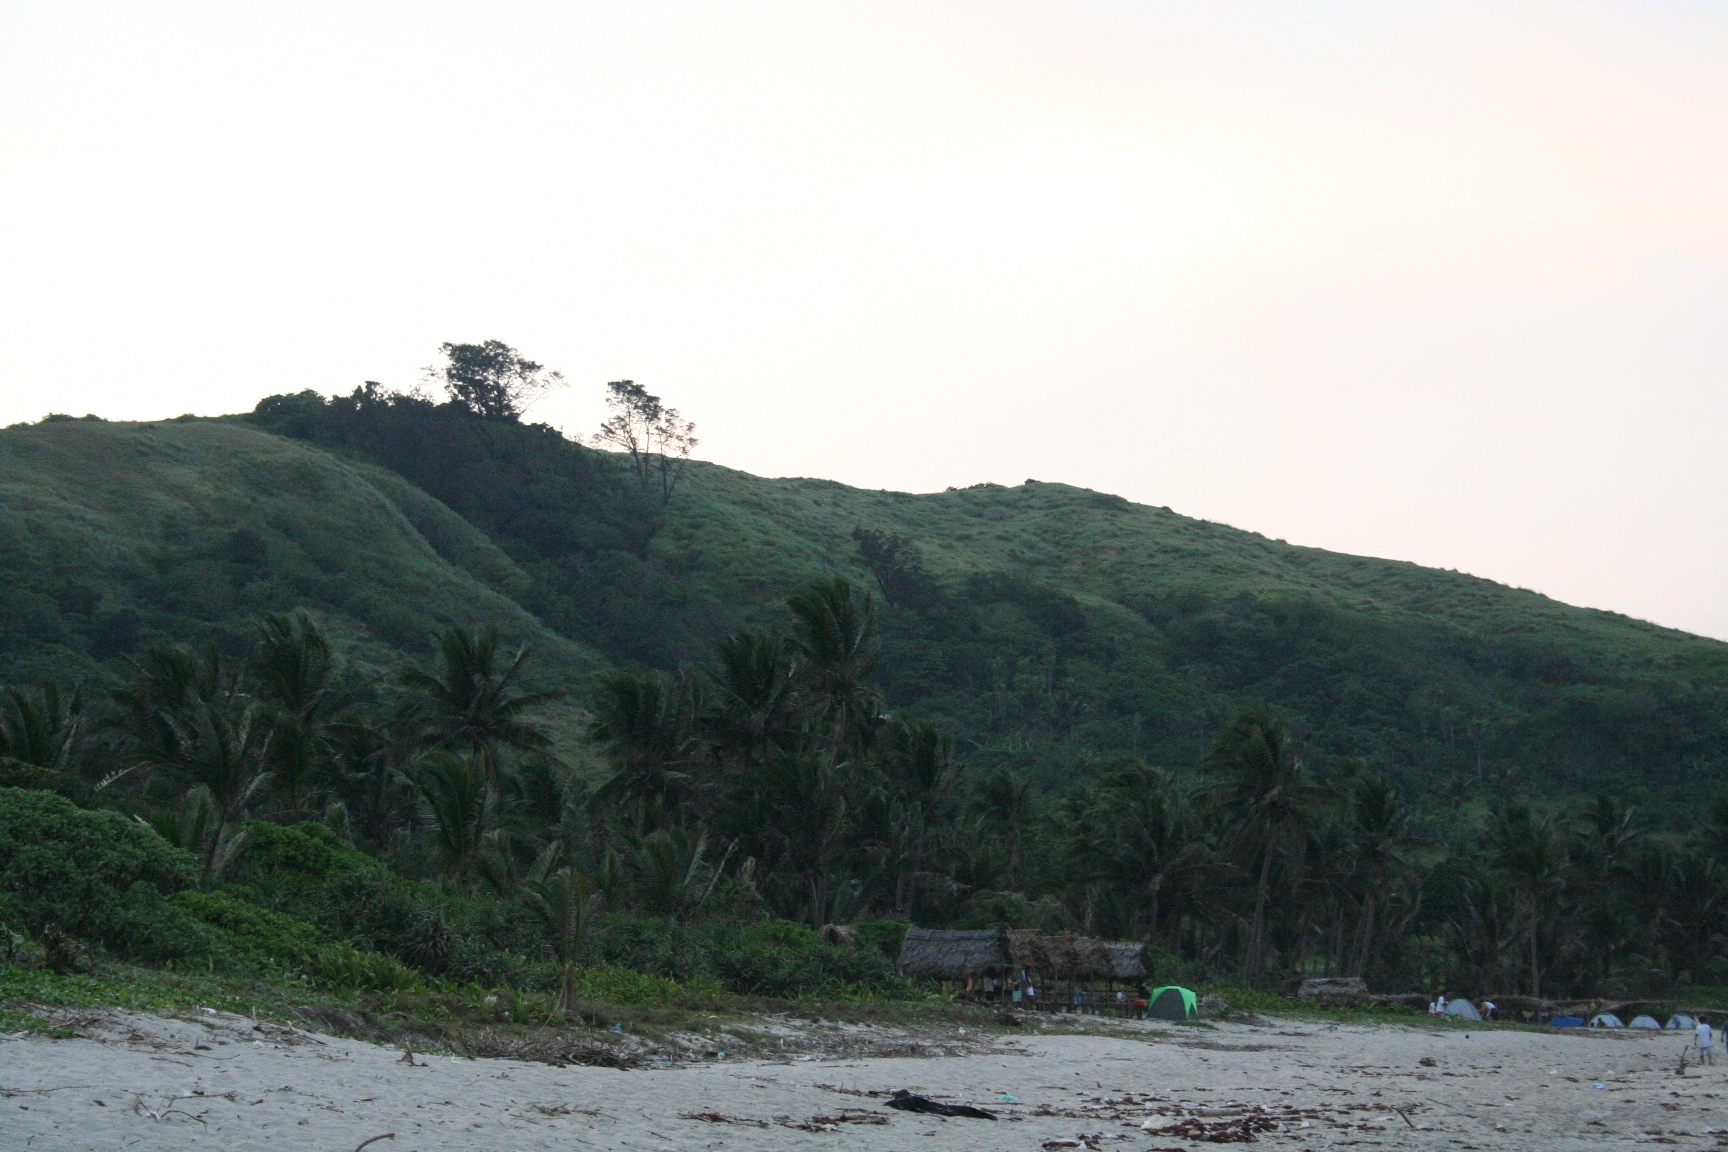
1704,1037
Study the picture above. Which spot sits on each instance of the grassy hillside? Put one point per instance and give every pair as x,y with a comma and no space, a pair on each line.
116,534
1068,625
1049,628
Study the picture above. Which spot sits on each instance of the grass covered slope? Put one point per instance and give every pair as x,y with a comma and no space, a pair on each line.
1105,547
116,534
1061,625
1048,628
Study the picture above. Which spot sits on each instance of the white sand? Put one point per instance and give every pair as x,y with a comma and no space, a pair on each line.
146,1082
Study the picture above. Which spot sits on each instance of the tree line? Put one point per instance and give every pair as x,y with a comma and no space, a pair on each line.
771,781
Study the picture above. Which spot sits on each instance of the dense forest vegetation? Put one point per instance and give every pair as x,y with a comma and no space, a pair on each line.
425,818
676,719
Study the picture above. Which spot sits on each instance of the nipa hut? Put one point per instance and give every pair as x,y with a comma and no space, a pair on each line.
1032,969
933,954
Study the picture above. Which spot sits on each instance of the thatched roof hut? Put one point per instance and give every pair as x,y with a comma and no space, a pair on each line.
944,955
1127,959
1068,957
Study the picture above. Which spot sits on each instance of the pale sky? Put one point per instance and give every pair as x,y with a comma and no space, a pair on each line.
1445,283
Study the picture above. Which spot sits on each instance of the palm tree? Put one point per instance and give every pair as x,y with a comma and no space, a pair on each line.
42,726
670,868
471,703
918,767
168,684
754,709
293,670
365,759
196,826
834,629
803,801
1527,852
1152,842
1003,804
1379,831
639,722
1261,792
460,804
293,666
565,903
223,750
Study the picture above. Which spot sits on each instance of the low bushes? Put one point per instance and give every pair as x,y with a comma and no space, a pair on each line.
781,958
624,986
98,876
295,860
306,903
766,958
262,936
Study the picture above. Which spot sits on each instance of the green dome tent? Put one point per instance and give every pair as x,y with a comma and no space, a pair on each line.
1172,1003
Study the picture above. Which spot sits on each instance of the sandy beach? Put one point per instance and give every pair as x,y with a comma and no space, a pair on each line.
135,1081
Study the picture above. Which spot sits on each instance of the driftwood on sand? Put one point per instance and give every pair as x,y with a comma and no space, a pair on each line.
911,1102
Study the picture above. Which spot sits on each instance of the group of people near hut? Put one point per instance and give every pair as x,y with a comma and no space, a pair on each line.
1022,989
1046,972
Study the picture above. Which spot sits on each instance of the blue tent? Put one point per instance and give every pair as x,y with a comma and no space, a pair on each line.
1680,1022
1463,1009
1605,1020
1566,1022
1644,1022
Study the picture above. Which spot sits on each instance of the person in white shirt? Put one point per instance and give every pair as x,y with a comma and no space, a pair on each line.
1704,1054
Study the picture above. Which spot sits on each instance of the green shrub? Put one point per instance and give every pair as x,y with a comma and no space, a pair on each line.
153,928
327,885
883,935
381,912
624,986
291,860
649,944
780,958
344,966
97,875
1165,967
19,774
270,937
251,930
770,958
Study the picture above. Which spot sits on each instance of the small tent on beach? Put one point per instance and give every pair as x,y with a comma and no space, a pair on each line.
1172,1003
1680,1022
1605,1020
1644,1022
1462,1009
1566,1022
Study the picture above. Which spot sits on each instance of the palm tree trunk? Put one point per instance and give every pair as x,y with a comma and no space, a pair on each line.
567,989
1257,941
1535,967
1152,928
1365,943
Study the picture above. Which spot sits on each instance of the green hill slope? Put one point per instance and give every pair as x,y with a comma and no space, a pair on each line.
1049,628
116,534
1069,625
